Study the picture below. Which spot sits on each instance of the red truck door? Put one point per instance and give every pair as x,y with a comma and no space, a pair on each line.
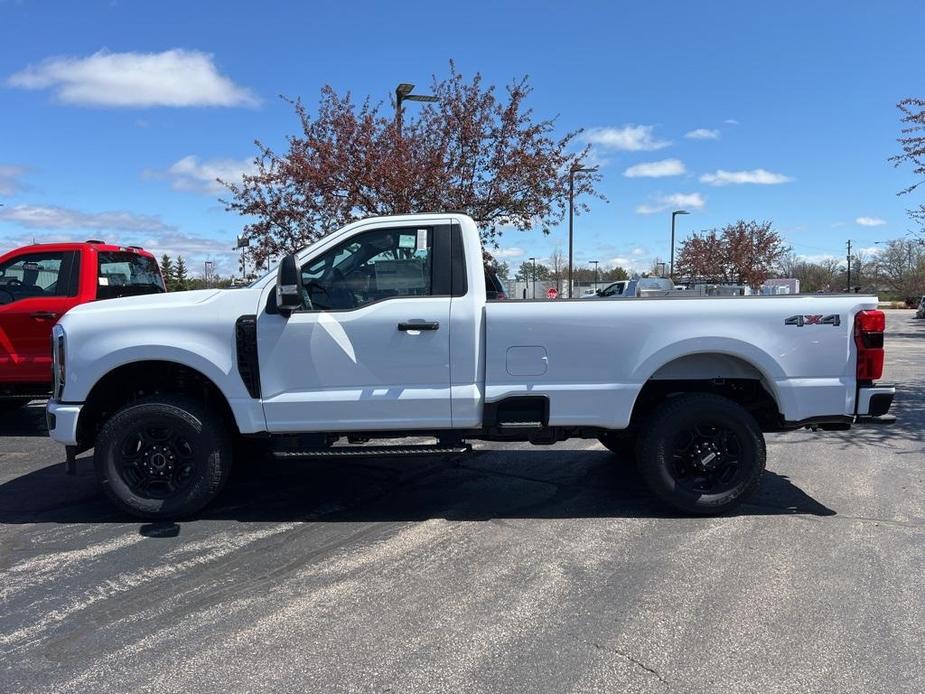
36,289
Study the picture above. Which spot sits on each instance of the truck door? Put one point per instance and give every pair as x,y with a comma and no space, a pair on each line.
36,289
370,348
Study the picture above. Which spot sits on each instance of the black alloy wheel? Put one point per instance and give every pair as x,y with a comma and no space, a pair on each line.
163,456
701,453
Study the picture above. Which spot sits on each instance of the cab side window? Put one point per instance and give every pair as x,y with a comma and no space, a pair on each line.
369,267
36,275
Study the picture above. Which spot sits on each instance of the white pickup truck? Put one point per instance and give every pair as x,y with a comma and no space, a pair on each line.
382,330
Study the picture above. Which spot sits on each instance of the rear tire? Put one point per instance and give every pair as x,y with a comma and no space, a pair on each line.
163,457
702,453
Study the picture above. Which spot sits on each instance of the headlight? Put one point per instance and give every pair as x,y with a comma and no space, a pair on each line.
58,360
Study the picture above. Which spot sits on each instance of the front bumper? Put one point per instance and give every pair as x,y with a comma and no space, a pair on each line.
61,418
875,400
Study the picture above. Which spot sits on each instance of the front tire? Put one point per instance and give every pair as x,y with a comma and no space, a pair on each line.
163,457
702,453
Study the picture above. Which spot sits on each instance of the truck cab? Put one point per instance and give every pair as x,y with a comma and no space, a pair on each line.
42,282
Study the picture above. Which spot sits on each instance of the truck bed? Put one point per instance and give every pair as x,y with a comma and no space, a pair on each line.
591,358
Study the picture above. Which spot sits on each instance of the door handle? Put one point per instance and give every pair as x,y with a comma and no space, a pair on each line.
44,314
419,325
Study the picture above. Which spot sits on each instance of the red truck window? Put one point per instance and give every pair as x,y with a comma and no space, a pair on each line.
127,274
37,275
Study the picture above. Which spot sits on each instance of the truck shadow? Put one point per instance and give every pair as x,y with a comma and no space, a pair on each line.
24,421
543,484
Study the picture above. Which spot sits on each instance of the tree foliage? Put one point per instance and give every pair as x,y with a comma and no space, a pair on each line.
827,274
747,252
900,267
525,272
167,270
180,276
912,142
474,150
605,274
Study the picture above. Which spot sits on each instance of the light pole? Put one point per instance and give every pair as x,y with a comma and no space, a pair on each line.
673,216
571,199
403,93
241,243
534,277
594,263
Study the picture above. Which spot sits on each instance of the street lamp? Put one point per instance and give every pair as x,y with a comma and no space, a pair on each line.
403,93
673,215
534,277
241,243
571,198
594,263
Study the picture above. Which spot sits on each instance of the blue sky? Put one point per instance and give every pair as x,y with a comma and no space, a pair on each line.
116,115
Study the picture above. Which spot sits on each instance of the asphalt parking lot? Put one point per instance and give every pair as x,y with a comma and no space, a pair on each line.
514,569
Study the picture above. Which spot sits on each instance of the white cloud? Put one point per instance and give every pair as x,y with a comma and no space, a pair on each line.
870,221
194,249
656,169
639,251
757,176
731,121
629,138
512,252
174,78
9,178
200,176
702,134
595,159
51,217
661,203
818,257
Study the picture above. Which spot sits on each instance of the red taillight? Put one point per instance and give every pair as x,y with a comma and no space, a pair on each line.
868,336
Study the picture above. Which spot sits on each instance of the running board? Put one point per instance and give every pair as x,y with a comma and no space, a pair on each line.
373,451
520,425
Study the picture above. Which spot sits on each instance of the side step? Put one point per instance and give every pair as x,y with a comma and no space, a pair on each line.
373,451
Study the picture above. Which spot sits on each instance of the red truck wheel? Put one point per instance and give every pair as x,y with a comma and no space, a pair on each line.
163,457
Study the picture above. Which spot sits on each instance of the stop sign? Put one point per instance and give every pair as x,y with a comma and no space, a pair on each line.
552,293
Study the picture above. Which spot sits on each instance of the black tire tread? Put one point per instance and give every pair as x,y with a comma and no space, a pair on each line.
650,460
216,470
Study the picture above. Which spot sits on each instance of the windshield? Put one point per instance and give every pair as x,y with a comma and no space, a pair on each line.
127,274
614,289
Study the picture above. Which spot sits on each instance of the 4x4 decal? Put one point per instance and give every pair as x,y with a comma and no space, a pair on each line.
814,319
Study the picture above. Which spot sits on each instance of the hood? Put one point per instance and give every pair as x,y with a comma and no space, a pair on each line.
147,301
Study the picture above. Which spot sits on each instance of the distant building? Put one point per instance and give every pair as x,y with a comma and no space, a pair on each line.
788,285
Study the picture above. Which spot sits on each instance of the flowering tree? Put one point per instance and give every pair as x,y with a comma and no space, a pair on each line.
473,150
912,141
745,252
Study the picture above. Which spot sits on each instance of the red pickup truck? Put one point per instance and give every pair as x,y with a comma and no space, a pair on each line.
39,283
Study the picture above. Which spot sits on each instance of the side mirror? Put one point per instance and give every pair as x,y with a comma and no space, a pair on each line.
288,281
599,292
